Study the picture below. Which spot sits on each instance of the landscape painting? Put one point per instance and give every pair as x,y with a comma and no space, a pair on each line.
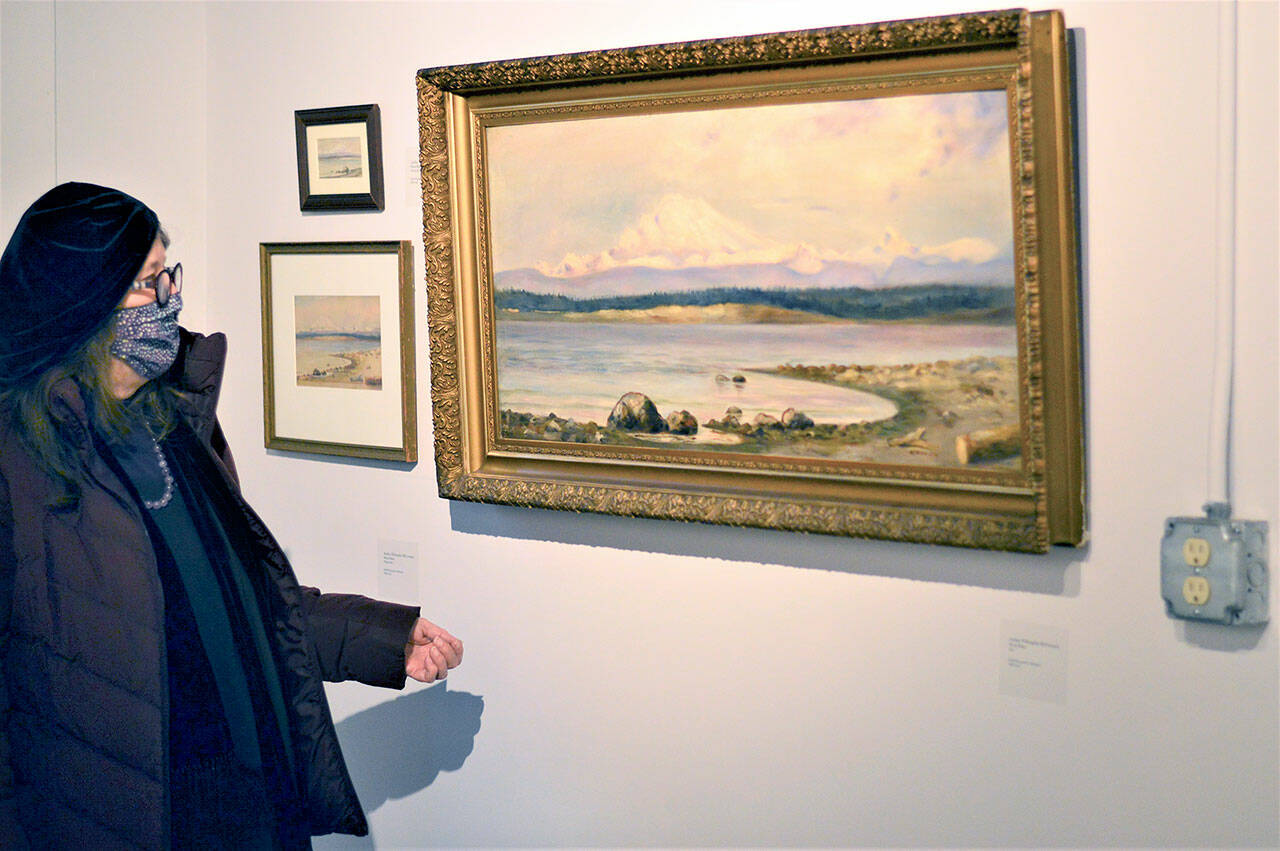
338,341
818,280
339,157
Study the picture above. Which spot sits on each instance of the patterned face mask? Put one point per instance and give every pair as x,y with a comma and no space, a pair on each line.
147,337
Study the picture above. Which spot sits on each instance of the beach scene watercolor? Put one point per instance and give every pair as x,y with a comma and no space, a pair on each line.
339,157
811,280
338,341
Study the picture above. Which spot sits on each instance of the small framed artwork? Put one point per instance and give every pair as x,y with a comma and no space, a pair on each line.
339,158
822,281
338,348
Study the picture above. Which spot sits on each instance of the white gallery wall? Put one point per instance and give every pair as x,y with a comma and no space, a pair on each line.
632,682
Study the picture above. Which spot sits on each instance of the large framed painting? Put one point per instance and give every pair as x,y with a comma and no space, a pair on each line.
821,281
338,349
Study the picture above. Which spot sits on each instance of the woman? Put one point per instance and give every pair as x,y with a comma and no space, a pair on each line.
160,667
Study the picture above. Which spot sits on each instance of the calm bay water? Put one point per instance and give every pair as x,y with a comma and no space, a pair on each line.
337,343
340,165
321,352
579,370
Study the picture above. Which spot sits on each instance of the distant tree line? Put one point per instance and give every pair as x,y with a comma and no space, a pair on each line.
359,335
910,302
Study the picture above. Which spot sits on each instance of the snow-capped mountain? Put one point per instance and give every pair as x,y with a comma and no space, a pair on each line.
684,243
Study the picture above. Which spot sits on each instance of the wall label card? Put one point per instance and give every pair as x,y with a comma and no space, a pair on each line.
398,571
1033,661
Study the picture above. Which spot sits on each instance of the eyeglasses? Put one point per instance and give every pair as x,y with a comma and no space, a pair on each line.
165,283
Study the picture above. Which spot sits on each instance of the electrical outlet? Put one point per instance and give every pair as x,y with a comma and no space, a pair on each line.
1213,568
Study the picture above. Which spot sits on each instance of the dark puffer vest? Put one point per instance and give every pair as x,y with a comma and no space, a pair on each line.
83,683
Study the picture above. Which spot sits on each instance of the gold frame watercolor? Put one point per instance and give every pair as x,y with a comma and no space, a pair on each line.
339,157
338,348
564,269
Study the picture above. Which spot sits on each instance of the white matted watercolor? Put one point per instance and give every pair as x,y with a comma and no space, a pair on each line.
333,148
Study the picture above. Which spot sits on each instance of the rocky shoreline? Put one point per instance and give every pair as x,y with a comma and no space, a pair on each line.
355,370
948,413
942,407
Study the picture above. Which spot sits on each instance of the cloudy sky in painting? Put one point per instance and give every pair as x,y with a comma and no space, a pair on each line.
361,313
339,146
861,181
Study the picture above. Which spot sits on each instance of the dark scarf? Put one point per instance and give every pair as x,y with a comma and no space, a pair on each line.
230,750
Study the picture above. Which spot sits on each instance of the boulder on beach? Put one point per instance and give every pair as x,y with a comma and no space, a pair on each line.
763,420
682,422
571,432
791,418
636,412
990,444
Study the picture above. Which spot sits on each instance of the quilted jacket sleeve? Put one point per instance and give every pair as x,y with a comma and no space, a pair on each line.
356,638
11,832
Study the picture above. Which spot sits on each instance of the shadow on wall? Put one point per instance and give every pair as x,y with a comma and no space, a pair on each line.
439,730
1056,573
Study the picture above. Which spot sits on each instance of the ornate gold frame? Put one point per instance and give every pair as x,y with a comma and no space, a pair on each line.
1024,510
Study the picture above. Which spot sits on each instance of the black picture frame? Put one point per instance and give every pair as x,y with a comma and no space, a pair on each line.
339,158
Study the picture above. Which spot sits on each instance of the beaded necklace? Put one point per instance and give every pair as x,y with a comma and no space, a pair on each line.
156,505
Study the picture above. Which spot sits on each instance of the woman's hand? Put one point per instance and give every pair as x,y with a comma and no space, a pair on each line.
431,652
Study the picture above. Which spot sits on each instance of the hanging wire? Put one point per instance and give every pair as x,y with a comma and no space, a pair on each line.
1225,257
